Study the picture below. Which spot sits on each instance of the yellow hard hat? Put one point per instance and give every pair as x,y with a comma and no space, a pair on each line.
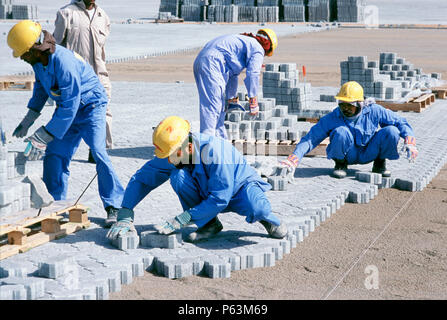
169,135
22,36
351,91
273,39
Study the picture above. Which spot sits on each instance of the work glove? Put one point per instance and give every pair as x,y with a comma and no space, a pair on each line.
410,149
290,163
123,225
286,168
27,122
234,103
172,225
254,107
37,143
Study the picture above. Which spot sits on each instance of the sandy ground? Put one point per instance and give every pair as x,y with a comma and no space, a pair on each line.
400,236
410,256
320,52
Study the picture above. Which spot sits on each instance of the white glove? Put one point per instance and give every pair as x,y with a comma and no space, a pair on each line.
410,149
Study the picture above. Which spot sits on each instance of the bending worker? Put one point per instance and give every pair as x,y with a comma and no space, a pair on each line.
354,135
80,113
216,71
209,176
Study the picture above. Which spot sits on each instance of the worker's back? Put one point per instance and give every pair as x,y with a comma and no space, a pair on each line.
236,49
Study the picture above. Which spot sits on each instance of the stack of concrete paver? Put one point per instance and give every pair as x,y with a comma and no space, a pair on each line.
15,195
281,81
268,14
172,6
244,3
293,10
391,78
9,10
319,10
99,268
247,14
273,122
351,10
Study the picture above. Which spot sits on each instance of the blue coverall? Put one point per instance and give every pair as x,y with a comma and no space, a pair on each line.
80,113
216,71
358,141
219,180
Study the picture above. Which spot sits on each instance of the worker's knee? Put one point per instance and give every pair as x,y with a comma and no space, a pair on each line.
390,133
341,134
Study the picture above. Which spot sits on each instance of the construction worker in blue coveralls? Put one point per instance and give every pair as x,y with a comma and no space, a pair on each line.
80,113
216,71
355,137
209,176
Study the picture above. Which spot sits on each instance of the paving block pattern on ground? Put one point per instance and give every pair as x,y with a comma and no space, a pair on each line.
84,265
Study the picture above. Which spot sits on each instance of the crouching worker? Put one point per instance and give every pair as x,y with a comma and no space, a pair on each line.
209,176
360,132
80,113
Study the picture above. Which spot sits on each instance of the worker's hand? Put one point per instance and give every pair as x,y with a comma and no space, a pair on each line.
120,228
410,148
37,143
172,225
25,124
234,103
290,163
254,107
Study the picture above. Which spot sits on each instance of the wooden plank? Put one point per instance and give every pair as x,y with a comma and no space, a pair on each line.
239,145
78,215
249,147
8,250
4,229
261,149
272,148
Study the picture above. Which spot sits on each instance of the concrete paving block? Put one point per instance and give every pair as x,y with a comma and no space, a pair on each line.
57,266
235,262
285,244
40,196
278,183
292,239
148,263
153,239
14,269
369,177
269,259
138,269
125,272
128,241
217,268
405,184
13,292
35,287
299,234
278,252
7,195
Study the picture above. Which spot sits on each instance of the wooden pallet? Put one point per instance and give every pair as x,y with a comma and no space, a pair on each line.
440,92
275,147
16,85
35,231
418,104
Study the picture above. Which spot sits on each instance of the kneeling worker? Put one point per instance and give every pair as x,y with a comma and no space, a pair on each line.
209,176
354,135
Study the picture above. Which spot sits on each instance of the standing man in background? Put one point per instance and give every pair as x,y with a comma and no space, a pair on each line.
83,27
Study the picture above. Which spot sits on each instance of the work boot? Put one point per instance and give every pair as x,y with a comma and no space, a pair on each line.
341,168
277,232
379,166
112,216
90,157
208,231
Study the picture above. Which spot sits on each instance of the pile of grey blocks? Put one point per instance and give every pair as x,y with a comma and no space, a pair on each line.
281,81
172,6
268,14
218,13
244,3
17,192
351,10
319,10
293,11
390,78
247,14
9,10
